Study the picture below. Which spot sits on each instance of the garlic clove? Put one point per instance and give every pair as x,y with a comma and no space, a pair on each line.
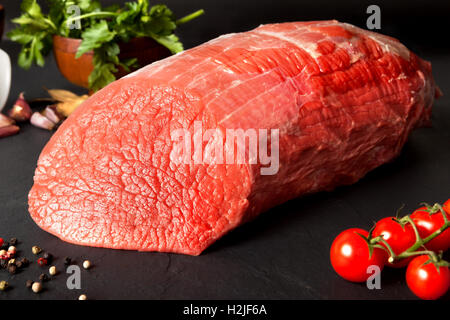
5,121
51,114
8,130
21,110
41,121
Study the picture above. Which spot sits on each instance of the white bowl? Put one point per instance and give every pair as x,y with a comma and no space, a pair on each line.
5,78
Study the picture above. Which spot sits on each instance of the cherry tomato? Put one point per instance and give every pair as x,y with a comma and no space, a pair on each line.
427,224
349,255
446,206
397,236
426,281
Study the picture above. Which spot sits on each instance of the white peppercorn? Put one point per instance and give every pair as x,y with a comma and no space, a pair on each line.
36,287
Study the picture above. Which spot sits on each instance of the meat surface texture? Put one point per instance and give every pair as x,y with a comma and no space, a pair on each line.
343,99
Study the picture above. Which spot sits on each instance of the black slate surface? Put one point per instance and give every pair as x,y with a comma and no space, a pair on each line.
283,254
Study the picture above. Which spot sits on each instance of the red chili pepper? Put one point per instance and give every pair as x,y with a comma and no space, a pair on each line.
42,262
1,242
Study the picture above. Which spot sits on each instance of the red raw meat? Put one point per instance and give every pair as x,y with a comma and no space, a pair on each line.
344,101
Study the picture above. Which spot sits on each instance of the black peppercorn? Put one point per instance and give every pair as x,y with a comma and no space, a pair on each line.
13,241
47,256
12,268
67,261
29,283
43,277
25,262
3,264
19,264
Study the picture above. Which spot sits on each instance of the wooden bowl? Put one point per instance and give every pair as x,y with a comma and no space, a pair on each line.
2,20
77,71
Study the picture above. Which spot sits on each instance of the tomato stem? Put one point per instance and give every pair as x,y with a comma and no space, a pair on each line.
413,225
416,253
386,247
411,251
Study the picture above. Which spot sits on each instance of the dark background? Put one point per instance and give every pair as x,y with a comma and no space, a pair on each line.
284,253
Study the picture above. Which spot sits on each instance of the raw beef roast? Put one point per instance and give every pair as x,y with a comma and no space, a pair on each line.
343,100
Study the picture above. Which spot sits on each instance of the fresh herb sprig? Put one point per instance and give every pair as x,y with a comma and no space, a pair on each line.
101,29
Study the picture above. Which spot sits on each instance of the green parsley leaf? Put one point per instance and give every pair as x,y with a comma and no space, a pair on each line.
102,29
171,42
94,37
32,8
103,73
21,36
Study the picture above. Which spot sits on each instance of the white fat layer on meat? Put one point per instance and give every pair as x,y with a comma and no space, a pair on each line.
391,46
155,66
161,64
309,47
388,45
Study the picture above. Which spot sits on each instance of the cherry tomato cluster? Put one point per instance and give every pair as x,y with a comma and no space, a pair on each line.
416,240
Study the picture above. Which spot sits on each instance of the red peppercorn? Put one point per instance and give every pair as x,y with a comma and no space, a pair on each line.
42,262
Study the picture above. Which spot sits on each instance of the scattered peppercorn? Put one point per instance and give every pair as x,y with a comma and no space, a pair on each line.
3,285
36,250
29,283
43,277
7,261
82,297
86,264
12,268
42,262
36,287
47,256
52,270
25,262
12,250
